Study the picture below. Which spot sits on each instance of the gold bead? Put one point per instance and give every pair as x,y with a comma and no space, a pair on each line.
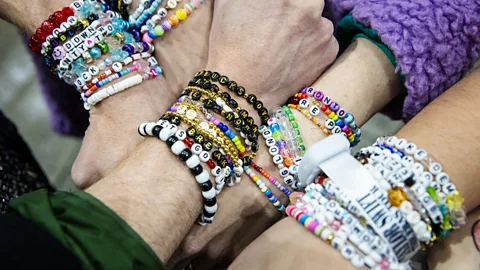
119,36
396,196
84,22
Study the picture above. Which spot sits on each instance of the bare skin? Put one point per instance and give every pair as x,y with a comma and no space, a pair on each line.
429,131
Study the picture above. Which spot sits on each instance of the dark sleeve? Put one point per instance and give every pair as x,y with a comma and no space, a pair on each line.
95,234
25,245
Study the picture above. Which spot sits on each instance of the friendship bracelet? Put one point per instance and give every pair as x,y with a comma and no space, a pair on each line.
175,139
274,200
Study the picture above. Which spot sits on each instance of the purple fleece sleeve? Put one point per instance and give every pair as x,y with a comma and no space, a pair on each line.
434,41
67,115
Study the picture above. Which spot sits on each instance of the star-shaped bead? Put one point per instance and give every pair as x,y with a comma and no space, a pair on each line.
118,55
87,8
104,18
78,67
128,38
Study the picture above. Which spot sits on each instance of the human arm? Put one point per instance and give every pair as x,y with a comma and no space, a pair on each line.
427,130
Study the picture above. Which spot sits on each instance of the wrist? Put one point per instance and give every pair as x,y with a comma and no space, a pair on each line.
165,192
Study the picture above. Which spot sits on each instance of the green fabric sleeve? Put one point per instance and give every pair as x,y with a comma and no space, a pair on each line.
350,29
91,230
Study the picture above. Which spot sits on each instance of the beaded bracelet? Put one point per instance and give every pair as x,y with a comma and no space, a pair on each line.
339,121
291,118
175,140
48,27
274,200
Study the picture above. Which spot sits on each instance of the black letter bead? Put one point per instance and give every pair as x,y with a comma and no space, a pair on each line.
185,154
214,88
217,108
237,123
175,120
229,116
250,120
246,161
226,96
208,103
224,80
251,99
199,138
191,132
216,156
207,145
206,186
233,104
258,105
196,170
215,76
243,114
196,95
255,146
240,90
232,86
171,140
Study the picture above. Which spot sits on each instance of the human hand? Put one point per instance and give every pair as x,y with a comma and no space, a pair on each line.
112,133
273,49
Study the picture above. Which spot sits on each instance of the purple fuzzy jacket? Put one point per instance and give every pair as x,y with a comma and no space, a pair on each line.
434,41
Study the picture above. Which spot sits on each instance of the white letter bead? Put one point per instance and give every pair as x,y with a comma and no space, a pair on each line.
178,147
449,188
93,70
277,159
270,142
338,243
220,180
420,154
293,169
180,134
442,178
273,150
204,156
117,67
202,177
288,180
267,134
314,110
209,194
193,161
284,172
217,171
76,5
357,261
149,128
329,124
86,76
410,148
304,103
435,168
337,130
162,123
348,251
391,141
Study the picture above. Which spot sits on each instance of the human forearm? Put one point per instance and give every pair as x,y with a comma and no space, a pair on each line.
155,194
362,80
28,15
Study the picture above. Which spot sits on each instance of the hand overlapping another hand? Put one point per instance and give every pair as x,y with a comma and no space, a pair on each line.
273,49
112,133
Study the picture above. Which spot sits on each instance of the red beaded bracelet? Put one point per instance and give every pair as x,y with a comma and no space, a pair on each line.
47,27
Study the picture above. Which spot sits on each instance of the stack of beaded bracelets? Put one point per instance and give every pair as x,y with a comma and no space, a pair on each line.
381,224
311,102
416,181
181,146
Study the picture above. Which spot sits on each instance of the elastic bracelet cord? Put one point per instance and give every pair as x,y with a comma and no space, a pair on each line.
177,140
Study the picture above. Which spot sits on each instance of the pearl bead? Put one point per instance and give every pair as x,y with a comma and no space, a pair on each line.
95,52
101,65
